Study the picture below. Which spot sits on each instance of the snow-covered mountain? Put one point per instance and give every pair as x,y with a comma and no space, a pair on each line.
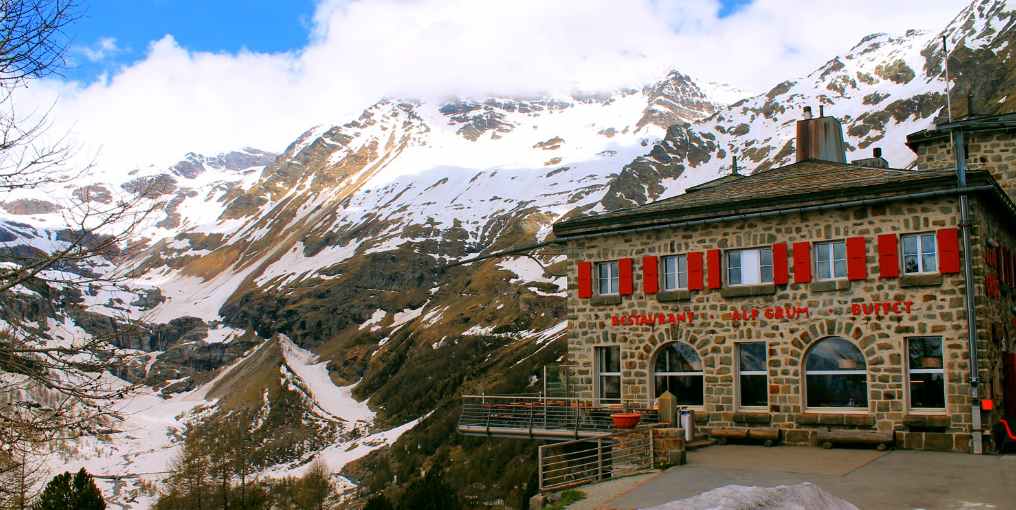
310,287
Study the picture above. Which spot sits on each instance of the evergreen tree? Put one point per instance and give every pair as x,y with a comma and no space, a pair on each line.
430,493
314,488
379,502
65,492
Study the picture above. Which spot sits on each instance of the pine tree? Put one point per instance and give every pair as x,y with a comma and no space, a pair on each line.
379,502
86,493
65,492
315,487
430,493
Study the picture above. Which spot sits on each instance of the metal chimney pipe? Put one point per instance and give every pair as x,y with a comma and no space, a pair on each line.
807,112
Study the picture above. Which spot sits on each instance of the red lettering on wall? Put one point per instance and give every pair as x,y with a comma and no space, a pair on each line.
881,308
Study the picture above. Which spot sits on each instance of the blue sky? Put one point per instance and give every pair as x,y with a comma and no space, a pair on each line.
199,25
114,33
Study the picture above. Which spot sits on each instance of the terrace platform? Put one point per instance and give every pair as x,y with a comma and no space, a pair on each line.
540,417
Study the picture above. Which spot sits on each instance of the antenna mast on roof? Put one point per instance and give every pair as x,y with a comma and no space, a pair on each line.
948,96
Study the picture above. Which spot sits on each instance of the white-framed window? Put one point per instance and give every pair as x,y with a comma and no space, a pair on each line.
607,277
675,272
608,373
750,267
926,381
831,260
752,374
919,253
678,369
836,375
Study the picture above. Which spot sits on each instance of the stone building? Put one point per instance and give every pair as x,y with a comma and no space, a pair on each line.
813,298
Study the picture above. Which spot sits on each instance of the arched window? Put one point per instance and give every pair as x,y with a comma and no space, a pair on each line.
678,369
835,375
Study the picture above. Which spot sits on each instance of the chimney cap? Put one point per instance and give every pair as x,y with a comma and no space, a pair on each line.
877,152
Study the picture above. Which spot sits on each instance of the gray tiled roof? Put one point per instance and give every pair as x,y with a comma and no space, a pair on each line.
803,183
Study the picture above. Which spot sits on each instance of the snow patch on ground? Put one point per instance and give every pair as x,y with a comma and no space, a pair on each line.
804,496
337,401
374,323
335,457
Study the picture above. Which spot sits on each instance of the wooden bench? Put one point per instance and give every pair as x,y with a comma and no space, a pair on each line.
768,436
881,440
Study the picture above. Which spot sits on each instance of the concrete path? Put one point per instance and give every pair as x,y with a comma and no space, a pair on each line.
902,479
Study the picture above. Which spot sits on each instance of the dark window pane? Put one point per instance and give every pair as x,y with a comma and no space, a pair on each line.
834,354
751,356
687,388
610,387
678,357
910,264
925,352
927,390
754,391
837,390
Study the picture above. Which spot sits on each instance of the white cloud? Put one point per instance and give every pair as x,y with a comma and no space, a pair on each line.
104,47
175,100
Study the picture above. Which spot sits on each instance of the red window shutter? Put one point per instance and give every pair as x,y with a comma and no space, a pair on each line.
1012,269
1008,267
624,280
888,256
585,279
948,251
1003,264
650,274
713,261
780,273
857,258
802,262
695,271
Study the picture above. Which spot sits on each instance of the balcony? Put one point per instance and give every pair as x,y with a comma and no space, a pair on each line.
544,417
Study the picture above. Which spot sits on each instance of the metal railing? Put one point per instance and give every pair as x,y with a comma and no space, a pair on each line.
543,417
582,461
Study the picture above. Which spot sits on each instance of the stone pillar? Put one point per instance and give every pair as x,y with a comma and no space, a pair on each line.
668,447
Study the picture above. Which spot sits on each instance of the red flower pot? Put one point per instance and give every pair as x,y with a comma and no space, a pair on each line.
625,420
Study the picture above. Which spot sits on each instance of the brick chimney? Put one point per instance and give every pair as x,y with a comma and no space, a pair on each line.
820,138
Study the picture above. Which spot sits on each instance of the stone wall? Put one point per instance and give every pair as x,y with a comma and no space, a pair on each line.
992,151
937,309
996,322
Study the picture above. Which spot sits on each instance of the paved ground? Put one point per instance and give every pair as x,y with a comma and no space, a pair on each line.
901,479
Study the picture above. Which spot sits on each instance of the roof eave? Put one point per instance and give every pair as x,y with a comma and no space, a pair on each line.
613,223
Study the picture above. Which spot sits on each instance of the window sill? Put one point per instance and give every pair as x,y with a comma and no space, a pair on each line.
830,285
600,300
766,289
669,296
921,280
